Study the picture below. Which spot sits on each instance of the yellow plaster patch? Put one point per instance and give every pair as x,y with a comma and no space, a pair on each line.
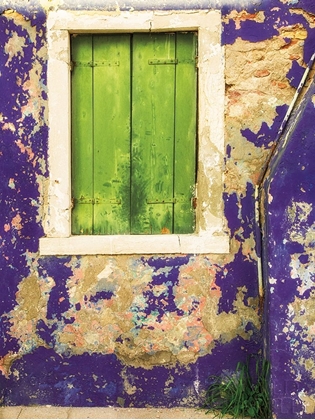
32,297
124,322
242,16
309,365
22,22
8,126
293,32
6,363
14,46
250,101
303,314
308,402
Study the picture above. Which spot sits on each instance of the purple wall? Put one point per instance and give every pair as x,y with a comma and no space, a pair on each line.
39,295
289,264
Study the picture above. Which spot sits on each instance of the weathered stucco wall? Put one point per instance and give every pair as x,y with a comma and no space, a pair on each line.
108,330
289,263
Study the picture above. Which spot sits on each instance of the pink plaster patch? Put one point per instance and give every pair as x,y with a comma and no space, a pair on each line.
16,222
25,149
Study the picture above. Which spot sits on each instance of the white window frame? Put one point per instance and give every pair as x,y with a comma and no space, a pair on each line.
211,233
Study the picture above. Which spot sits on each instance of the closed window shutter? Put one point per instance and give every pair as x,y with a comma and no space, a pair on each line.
101,149
185,133
111,134
82,136
153,107
133,133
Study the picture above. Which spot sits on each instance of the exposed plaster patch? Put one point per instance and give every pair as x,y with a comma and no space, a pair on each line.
6,363
9,126
310,17
116,306
294,32
225,325
297,214
308,402
25,149
309,365
256,85
34,88
32,298
242,16
249,95
304,316
14,47
23,23
129,388
244,164
303,271
16,222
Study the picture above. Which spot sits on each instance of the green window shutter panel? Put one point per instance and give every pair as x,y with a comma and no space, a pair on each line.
82,136
133,133
101,149
153,103
185,133
111,134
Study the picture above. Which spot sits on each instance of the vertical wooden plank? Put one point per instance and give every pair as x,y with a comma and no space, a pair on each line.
111,134
185,132
82,135
152,133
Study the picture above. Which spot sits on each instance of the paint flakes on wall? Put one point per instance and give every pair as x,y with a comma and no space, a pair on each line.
239,17
308,402
14,47
146,316
309,17
257,88
161,311
294,32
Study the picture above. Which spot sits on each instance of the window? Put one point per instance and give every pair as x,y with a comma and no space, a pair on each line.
133,133
209,234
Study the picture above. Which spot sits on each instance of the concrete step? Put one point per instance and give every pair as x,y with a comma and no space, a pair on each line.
51,412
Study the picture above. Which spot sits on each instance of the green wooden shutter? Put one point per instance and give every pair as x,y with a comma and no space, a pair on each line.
133,94
185,133
101,134
82,136
163,133
153,102
111,134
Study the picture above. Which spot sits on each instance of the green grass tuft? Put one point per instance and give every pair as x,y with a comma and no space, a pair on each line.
241,394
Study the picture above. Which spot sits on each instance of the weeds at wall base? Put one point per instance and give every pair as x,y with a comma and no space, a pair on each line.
241,394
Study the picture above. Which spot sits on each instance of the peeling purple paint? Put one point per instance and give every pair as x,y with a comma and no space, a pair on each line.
267,135
40,375
290,216
295,74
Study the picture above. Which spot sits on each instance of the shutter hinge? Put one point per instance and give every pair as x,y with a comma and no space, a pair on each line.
159,201
194,203
93,63
163,61
84,200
